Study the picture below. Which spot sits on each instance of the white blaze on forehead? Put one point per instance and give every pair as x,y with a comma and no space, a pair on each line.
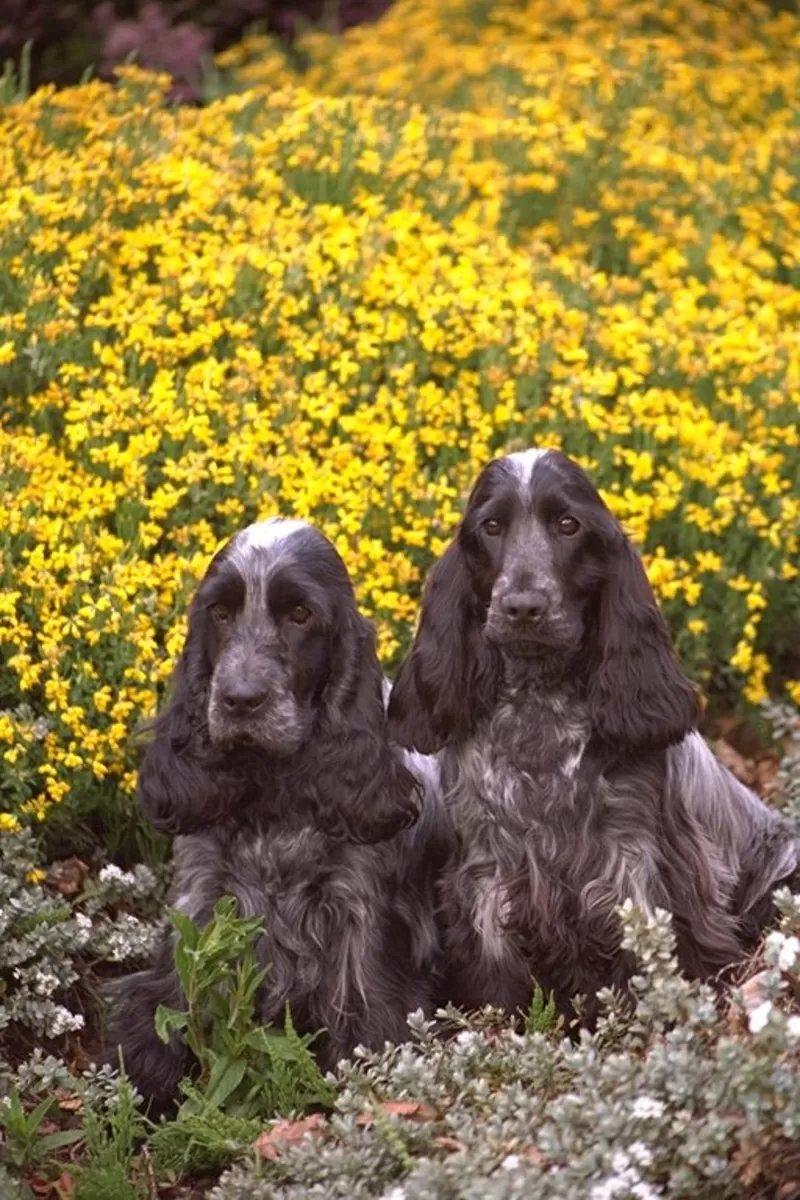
263,535
523,463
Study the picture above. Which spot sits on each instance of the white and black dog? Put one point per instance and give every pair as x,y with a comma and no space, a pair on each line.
272,767
574,776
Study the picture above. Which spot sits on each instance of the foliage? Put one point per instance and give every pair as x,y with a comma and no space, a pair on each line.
45,939
247,1072
684,1097
24,1144
541,1016
338,307
111,1131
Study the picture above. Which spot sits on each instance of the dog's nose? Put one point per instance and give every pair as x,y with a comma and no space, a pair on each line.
243,699
529,606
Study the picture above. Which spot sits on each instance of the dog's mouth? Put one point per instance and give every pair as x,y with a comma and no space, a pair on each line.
535,640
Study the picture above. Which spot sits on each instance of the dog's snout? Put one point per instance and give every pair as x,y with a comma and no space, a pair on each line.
242,698
525,606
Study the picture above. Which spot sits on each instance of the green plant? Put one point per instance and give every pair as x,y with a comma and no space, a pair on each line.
24,1143
247,1072
541,1016
111,1131
15,86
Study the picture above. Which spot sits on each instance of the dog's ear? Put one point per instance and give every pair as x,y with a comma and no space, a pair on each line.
182,787
449,679
639,698
359,788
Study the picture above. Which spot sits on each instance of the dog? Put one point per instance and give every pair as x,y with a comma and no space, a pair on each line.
272,768
543,677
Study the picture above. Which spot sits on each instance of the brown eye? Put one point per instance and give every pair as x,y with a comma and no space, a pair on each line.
299,614
492,527
220,613
569,526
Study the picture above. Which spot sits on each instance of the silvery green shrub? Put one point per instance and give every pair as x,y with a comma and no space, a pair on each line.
45,939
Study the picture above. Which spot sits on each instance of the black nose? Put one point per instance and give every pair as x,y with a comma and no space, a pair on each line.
527,606
242,699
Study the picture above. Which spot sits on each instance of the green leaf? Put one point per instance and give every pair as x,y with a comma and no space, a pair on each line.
55,1141
167,1020
188,931
35,1117
225,1077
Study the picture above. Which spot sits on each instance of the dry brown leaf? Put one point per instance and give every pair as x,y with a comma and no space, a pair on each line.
767,771
64,1186
399,1108
274,1142
71,1104
67,876
450,1144
753,992
743,768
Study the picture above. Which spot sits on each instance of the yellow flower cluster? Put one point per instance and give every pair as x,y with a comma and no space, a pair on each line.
572,224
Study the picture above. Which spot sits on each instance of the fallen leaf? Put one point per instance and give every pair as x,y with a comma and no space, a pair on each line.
71,1104
535,1156
274,1142
743,768
64,1186
450,1144
399,1108
767,772
753,992
67,875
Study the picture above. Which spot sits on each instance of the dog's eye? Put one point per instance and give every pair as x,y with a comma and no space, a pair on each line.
299,614
569,526
492,527
220,613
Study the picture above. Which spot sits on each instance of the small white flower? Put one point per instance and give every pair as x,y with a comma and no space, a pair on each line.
46,982
793,1027
467,1037
111,872
760,1016
63,1021
395,1193
789,953
646,1107
645,1191
640,1153
510,1162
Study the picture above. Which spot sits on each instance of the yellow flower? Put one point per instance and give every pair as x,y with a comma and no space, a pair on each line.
337,296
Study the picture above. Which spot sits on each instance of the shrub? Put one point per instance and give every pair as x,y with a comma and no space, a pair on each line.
684,1098
339,307
47,941
247,1072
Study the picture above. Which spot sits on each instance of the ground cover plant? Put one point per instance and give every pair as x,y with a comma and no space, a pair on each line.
334,295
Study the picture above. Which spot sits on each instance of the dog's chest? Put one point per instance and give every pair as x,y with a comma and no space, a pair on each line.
537,831
303,887
523,767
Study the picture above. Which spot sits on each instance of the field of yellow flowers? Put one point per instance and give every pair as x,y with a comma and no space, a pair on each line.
470,227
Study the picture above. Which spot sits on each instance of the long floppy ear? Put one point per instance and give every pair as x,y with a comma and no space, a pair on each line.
184,783
449,679
639,698
359,788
